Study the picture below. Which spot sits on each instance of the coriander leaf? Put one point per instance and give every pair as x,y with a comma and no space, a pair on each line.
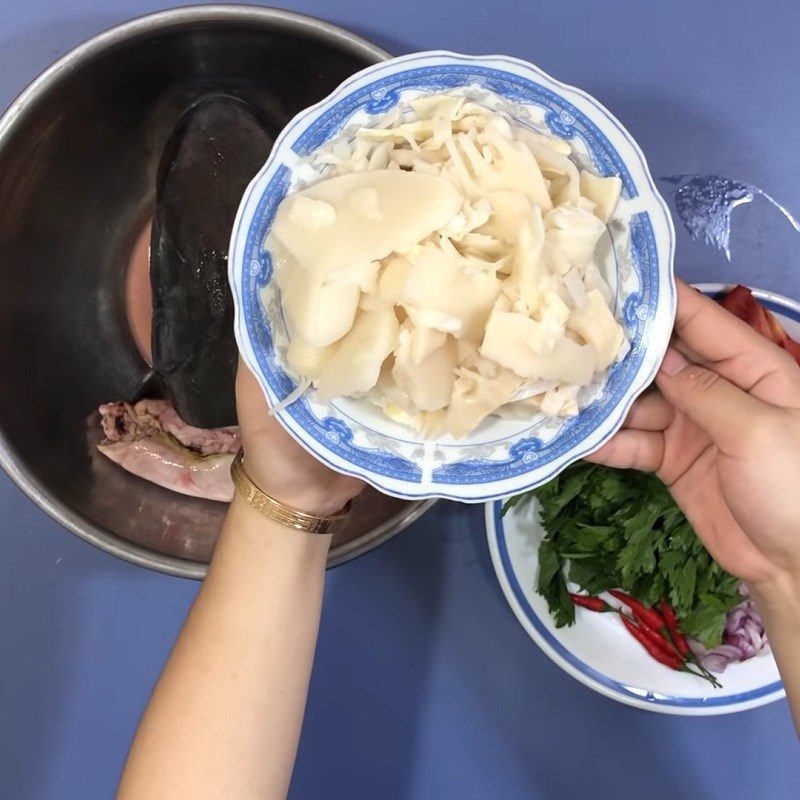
552,585
615,489
683,585
589,538
706,622
673,516
575,538
549,562
555,496
649,589
703,582
638,555
683,537
566,608
728,585
593,575
670,563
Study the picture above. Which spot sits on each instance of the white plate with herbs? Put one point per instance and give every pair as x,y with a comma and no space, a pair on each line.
597,649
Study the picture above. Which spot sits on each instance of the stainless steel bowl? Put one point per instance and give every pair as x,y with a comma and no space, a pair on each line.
78,153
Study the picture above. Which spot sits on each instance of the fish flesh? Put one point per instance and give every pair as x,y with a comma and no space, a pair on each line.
742,304
217,147
149,439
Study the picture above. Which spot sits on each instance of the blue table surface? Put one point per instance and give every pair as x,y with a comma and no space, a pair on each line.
425,686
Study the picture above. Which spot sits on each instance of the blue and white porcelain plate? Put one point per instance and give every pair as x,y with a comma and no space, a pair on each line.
597,651
502,456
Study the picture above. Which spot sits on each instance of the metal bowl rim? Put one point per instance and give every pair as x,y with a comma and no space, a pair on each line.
159,21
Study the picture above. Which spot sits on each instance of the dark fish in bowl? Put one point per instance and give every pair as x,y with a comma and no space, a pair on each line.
185,439
214,152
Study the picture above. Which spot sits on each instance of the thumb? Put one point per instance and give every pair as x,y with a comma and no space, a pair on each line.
719,408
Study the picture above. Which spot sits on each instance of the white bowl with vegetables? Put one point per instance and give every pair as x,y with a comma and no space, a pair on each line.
453,276
595,529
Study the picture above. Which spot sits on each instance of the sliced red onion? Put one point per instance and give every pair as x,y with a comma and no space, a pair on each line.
744,638
720,657
736,618
755,633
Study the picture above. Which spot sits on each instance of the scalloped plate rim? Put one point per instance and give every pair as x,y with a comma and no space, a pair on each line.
664,245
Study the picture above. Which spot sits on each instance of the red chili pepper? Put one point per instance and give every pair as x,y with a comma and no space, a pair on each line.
662,635
656,637
592,603
668,612
669,659
650,616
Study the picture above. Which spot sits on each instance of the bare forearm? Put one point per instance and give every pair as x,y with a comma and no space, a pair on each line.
779,606
224,720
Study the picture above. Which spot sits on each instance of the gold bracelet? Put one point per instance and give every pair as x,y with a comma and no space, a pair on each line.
277,511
